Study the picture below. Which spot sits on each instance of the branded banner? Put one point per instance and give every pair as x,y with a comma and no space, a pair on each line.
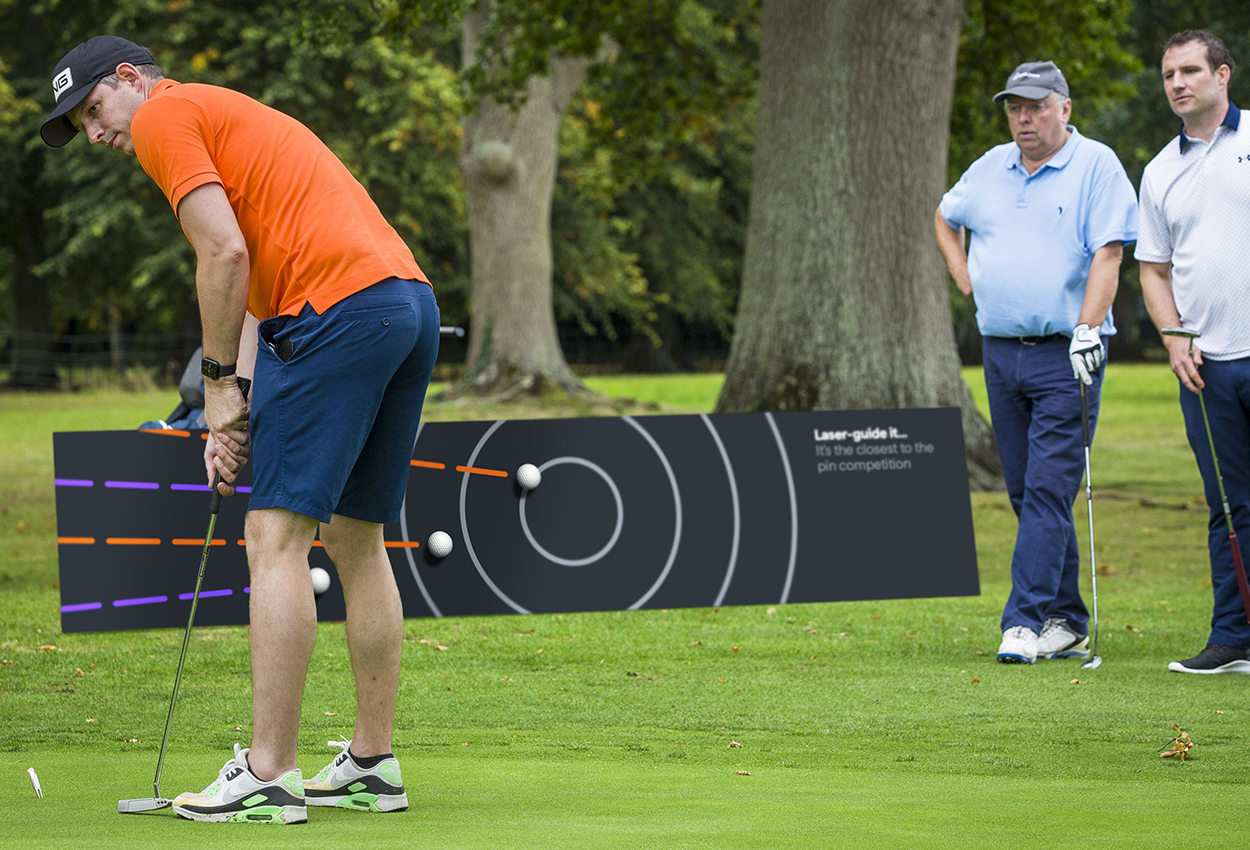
631,512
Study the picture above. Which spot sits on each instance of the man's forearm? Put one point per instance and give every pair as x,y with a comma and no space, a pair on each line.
1156,290
1101,285
950,243
222,285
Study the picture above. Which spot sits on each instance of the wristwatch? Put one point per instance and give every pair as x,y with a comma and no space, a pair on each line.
213,370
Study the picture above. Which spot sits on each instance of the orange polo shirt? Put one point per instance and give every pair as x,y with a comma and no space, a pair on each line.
313,233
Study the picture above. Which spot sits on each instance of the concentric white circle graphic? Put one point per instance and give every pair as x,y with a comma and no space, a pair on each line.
620,515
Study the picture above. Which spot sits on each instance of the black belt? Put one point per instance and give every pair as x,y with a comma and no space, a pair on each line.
1033,340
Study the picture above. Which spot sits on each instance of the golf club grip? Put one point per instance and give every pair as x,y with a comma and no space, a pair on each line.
1084,415
1243,587
214,504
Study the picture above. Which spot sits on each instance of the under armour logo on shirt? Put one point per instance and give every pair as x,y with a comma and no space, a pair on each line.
61,82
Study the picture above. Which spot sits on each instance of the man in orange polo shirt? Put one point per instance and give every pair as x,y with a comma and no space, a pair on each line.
348,332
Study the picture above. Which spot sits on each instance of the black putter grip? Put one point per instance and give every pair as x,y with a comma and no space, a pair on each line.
214,504
1084,415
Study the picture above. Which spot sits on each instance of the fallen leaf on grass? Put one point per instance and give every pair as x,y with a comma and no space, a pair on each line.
331,714
132,741
772,609
78,672
4,662
1078,682
22,526
742,772
1178,746
734,744
735,649
975,682
910,637
49,648
696,643
91,720
439,647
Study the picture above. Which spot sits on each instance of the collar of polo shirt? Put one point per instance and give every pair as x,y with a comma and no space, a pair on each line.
1231,119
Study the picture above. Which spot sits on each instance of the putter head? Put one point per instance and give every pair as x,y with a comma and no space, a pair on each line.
143,804
1094,661
1189,333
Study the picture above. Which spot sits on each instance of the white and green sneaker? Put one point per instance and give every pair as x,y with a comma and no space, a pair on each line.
238,796
347,785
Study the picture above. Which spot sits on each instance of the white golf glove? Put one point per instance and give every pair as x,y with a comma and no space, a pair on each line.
1085,352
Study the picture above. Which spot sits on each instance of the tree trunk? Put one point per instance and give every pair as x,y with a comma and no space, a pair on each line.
844,301
509,168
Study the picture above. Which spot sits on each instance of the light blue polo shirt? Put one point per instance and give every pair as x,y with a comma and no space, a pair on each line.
1034,235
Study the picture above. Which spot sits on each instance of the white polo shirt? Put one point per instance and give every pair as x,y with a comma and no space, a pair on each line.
1195,214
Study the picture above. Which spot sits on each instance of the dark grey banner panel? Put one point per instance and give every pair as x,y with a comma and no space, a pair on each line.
632,512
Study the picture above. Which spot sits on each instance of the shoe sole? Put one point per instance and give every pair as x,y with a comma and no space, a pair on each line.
1238,666
259,814
1007,658
363,802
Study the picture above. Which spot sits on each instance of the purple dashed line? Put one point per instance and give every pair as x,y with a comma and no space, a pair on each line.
206,594
133,485
199,488
82,606
143,600
243,489
73,482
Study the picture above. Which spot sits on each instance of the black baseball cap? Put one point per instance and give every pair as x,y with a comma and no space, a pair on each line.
77,74
1034,81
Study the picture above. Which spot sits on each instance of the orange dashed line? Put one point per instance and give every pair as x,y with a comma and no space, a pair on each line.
84,541
317,543
204,436
134,541
498,473
428,464
401,545
168,432
242,542
191,541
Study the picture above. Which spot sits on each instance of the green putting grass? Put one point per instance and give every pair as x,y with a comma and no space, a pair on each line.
870,724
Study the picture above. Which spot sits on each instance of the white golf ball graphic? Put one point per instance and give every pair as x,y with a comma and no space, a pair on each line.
440,544
528,476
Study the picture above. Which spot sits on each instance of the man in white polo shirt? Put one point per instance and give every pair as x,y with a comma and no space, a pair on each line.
1195,274
1048,215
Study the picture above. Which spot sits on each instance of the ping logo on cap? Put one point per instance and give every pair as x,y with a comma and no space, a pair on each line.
1021,74
61,82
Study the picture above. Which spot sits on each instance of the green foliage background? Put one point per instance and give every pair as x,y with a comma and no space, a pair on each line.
650,211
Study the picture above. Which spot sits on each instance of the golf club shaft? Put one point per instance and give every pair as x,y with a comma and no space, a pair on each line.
1089,512
214,506
1239,568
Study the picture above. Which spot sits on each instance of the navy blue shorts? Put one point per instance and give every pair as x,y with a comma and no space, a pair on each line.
337,400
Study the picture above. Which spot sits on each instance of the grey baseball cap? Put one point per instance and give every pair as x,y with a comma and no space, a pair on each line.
1034,81
77,74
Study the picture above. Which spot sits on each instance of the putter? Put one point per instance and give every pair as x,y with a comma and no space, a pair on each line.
1243,587
1094,658
151,804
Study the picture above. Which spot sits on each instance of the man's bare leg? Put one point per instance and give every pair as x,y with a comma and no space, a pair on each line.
284,627
375,627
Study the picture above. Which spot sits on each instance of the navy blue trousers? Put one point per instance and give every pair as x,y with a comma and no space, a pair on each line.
1035,407
1227,395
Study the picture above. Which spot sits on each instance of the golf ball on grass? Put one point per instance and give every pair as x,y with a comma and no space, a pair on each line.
440,544
320,580
528,476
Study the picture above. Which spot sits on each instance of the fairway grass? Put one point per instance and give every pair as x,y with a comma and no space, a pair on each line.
867,724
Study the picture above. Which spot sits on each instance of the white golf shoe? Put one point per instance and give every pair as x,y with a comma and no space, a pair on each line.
1019,646
1058,641
238,796
347,785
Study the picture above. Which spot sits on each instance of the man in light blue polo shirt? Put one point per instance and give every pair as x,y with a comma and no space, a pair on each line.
1195,274
1048,215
